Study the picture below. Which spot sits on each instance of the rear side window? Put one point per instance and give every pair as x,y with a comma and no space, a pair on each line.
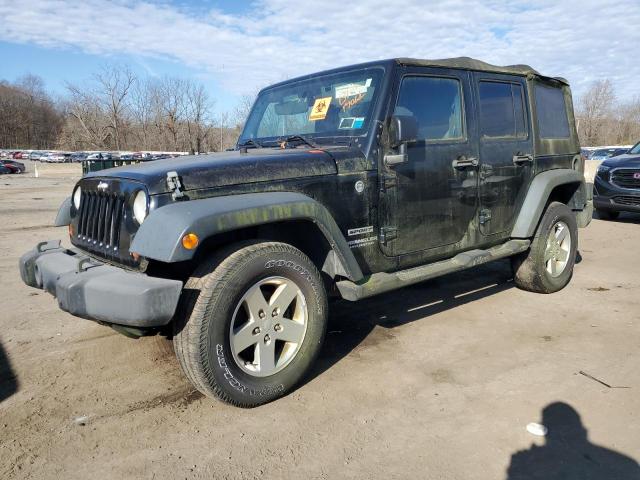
502,110
551,112
437,105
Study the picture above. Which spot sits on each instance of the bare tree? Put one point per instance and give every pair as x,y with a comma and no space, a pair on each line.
596,107
170,98
114,83
142,110
89,125
197,112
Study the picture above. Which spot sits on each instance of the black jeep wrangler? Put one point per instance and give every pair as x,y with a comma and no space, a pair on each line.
350,182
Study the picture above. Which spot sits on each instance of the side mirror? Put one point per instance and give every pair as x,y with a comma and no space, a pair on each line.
403,129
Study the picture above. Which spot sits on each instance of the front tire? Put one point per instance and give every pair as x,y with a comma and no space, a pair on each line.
548,264
251,322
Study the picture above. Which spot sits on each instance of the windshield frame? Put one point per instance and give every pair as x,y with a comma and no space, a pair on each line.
321,138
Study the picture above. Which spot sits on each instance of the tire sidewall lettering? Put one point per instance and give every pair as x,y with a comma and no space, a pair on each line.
237,384
298,269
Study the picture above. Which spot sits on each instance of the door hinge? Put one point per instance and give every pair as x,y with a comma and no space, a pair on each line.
387,234
485,216
388,181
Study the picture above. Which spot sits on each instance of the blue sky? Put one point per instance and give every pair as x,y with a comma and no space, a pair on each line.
235,47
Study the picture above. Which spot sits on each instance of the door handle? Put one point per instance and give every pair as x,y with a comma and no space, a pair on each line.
522,159
464,162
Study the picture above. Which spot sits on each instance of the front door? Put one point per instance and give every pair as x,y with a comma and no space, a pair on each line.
430,200
506,150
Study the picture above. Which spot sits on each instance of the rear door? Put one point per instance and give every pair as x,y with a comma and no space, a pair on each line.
506,149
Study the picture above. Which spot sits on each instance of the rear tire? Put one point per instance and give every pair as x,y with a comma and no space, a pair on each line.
251,322
548,264
607,214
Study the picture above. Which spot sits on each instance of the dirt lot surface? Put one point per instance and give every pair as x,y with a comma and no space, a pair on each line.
436,381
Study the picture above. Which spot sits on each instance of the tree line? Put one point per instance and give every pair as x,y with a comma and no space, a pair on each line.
603,120
117,110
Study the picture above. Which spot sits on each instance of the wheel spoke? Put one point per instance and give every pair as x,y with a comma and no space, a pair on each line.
563,255
548,255
283,296
266,356
291,331
554,266
244,337
561,233
255,302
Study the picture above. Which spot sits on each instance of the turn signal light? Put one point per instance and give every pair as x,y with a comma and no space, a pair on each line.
190,241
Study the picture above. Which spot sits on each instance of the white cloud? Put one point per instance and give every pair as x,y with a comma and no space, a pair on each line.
581,40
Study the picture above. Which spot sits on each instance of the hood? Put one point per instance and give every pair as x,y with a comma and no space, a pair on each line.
227,168
626,160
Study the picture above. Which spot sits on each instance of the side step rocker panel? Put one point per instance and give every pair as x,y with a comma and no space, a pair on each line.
385,282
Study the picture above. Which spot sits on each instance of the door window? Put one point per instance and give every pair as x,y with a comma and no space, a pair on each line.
502,111
436,103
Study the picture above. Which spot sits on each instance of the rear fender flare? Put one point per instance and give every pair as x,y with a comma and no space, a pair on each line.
538,195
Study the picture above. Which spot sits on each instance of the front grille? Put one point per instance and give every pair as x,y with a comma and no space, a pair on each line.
100,219
627,200
626,178
102,225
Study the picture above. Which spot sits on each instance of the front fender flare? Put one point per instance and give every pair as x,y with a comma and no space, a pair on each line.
537,196
63,217
159,236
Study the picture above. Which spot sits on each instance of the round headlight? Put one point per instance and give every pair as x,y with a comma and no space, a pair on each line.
77,195
140,207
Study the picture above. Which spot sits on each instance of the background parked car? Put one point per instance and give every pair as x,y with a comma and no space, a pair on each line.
101,156
78,156
13,166
604,153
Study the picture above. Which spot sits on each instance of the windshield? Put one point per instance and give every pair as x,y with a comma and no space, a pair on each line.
334,105
601,153
635,150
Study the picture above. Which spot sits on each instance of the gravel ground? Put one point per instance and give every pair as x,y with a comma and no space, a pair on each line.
436,381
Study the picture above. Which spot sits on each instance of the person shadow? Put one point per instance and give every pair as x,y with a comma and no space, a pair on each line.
8,379
567,453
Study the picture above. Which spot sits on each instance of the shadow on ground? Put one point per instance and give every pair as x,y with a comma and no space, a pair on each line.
8,379
625,217
567,453
350,323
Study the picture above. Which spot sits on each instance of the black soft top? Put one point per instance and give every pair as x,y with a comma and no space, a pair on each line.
468,63
463,63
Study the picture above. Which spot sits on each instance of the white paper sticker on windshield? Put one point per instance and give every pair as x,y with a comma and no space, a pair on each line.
350,90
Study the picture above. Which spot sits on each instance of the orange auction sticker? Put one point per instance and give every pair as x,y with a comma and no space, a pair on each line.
320,109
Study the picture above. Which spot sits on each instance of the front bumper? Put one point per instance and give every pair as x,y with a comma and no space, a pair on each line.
90,289
607,196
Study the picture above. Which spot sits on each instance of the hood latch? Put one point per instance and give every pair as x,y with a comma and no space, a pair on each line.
174,184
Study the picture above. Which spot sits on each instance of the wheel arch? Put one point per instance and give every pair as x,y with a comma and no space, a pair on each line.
562,185
276,216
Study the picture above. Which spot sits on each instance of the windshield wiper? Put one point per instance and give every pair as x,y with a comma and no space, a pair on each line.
250,143
298,138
